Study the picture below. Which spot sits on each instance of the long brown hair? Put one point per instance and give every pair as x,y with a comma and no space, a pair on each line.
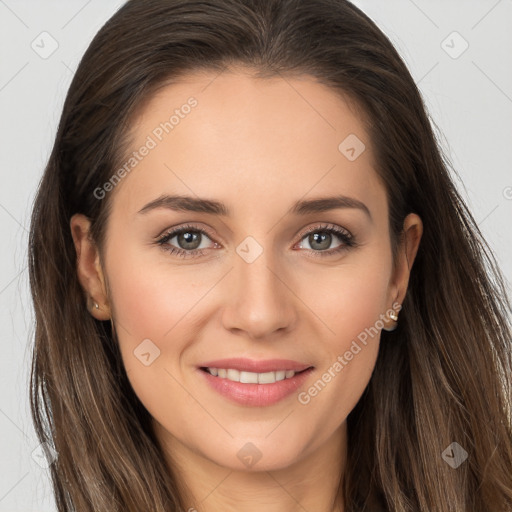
443,376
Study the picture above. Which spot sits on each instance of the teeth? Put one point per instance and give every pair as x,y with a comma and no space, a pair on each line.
250,377
233,375
244,377
266,378
281,374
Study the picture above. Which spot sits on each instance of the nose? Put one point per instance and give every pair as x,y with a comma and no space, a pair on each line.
260,298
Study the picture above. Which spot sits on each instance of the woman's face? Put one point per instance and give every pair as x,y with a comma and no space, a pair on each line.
249,282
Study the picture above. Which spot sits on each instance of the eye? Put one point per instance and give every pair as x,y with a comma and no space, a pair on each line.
189,240
186,241
320,238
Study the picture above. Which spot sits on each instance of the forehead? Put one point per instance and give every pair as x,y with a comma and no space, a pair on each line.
232,136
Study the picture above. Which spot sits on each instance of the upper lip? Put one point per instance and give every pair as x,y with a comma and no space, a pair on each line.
256,366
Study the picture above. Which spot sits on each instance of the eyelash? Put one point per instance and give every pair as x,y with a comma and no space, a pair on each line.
348,241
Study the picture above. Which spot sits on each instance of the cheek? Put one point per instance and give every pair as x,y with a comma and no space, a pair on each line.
350,298
155,309
145,305
151,291
350,301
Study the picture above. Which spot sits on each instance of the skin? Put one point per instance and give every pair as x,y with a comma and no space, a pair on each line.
258,145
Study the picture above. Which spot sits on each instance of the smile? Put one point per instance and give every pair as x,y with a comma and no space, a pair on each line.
254,389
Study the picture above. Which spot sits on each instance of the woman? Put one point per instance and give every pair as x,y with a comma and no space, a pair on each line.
254,280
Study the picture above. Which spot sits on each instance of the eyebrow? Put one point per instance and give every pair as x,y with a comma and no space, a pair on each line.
301,207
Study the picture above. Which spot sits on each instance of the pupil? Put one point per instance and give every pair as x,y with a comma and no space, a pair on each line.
189,239
323,237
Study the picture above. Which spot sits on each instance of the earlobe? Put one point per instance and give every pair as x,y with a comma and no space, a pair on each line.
88,266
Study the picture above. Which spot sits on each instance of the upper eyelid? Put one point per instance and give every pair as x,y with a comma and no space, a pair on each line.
327,226
172,232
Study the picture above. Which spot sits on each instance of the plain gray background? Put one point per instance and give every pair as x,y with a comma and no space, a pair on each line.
468,94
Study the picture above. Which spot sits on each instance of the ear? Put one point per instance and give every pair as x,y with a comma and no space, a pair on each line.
89,269
408,248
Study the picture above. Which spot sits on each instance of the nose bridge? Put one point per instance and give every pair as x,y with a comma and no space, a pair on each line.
260,302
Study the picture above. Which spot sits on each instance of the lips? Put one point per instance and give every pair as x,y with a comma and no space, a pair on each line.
252,394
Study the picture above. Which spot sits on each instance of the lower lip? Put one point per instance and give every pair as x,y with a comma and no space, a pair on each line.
256,395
